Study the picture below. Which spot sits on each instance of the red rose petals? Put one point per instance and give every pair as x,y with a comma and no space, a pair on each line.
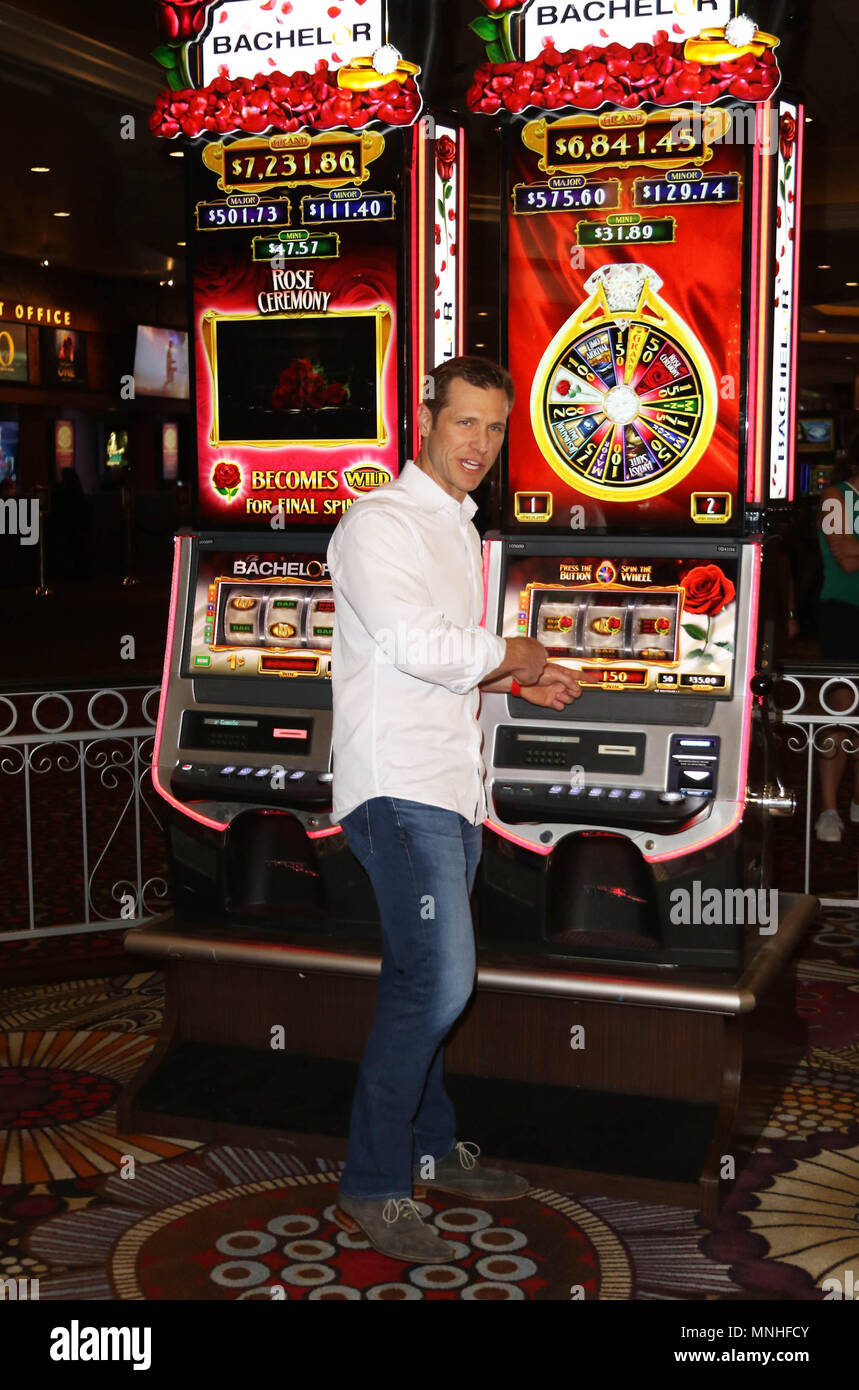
588,78
275,101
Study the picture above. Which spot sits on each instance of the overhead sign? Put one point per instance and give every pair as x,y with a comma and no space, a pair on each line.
34,313
627,22
244,38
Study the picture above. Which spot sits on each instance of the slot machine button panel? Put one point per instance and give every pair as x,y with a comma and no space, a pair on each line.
300,789
634,809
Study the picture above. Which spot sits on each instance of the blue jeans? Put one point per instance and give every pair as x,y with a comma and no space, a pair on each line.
421,861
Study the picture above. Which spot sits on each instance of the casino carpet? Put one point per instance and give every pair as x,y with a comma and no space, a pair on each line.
218,1222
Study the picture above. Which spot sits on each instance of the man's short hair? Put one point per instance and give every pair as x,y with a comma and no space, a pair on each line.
477,371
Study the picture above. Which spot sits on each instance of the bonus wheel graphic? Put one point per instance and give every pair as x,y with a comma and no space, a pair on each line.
623,403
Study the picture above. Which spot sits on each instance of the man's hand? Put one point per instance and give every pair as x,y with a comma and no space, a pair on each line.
556,688
525,659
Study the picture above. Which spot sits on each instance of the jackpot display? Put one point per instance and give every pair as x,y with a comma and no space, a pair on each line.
298,303
625,236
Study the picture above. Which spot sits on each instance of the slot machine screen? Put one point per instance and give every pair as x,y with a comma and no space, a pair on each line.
637,623
308,378
261,615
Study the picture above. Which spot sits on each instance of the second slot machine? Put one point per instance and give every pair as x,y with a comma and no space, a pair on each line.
648,292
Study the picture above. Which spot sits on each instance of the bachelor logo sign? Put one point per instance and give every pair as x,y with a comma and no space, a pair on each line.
600,22
243,35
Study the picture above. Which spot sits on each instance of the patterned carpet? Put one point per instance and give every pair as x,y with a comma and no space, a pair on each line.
96,1216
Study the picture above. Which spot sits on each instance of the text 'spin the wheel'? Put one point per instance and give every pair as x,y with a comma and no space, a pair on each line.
623,403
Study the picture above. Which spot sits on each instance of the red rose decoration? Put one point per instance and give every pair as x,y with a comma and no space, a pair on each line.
445,157
227,479
588,79
182,20
786,135
708,590
271,100
500,6
302,387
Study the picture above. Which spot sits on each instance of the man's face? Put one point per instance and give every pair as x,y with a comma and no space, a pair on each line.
461,447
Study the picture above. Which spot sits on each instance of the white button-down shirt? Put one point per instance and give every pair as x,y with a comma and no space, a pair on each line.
408,650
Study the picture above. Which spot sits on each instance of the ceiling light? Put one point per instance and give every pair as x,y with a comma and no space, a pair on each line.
177,154
851,284
62,214
44,262
820,330
39,169
824,267
809,120
483,313
181,243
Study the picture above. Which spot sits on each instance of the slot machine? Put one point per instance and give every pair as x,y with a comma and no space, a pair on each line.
649,256
323,286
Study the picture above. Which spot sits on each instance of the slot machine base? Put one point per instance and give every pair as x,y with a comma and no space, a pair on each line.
679,1069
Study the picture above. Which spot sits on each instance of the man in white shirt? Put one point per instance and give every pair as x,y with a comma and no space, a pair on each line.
409,658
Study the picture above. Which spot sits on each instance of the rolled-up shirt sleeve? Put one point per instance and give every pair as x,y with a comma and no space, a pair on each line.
368,561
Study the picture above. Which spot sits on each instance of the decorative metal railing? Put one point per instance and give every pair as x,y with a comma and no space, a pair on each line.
81,842
812,727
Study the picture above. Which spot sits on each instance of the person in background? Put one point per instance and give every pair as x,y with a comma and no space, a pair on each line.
838,623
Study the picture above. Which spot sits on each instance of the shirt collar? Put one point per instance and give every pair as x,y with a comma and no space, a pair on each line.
434,498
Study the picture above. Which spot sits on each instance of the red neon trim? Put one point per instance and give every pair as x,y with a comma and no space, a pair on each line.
321,834
462,242
759,310
165,681
754,329
418,279
486,546
797,237
516,839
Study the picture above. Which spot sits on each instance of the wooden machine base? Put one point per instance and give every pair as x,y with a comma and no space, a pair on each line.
639,1082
